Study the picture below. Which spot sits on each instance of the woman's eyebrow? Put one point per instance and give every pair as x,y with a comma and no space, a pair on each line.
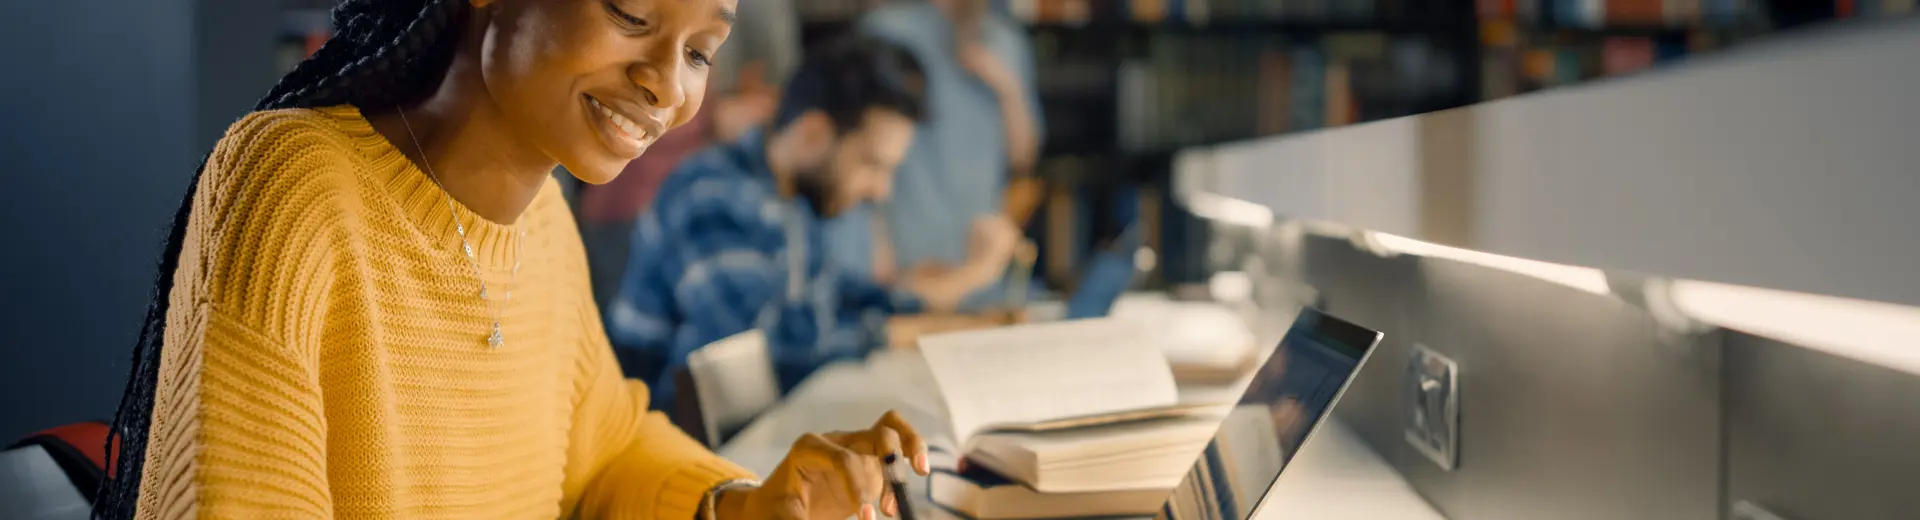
727,15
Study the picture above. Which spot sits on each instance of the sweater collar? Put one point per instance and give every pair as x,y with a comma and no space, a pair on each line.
425,203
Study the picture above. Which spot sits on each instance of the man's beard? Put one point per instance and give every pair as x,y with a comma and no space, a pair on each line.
816,187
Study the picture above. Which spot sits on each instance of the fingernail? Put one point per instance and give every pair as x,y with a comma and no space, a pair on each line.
866,512
920,463
893,507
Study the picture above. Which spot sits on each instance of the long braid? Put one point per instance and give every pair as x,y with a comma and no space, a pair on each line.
385,54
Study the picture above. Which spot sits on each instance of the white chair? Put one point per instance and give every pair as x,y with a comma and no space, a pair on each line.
34,487
725,385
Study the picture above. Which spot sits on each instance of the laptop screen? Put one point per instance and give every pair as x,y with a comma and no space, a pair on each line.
1107,277
1287,398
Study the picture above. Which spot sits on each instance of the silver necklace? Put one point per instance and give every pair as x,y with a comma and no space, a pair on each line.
494,338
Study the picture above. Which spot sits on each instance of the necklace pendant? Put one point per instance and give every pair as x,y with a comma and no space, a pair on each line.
495,339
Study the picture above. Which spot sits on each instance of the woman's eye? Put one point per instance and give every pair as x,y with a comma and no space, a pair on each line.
625,18
699,58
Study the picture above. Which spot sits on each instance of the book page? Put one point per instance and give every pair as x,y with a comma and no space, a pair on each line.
1033,373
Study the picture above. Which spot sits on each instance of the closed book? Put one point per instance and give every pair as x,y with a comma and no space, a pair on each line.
1569,66
1867,8
1340,108
1137,455
984,495
1499,74
1666,51
1567,13
1635,12
1624,54
1274,84
1494,10
1352,10
1528,10
1309,107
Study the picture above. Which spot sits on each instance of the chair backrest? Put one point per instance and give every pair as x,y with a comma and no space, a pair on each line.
725,386
52,475
34,487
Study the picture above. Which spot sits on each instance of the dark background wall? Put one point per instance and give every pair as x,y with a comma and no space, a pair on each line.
105,108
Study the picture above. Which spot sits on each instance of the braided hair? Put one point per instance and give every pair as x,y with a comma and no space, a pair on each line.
385,54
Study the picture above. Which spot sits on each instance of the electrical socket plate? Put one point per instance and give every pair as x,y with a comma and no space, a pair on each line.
1432,420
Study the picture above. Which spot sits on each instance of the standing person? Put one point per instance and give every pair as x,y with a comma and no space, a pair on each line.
985,137
743,87
737,240
373,302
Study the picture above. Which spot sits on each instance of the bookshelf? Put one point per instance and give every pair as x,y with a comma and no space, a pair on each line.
1124,85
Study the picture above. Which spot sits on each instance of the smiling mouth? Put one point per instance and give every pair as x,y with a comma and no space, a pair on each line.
627,128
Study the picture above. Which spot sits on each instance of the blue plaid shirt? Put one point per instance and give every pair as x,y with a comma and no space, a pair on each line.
720,253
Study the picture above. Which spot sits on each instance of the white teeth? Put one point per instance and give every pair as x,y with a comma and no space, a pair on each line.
625,125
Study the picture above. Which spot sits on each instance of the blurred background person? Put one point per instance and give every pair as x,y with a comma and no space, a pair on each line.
985,131
743,88
736,240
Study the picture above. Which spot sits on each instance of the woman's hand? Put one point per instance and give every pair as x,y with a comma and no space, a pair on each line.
833,476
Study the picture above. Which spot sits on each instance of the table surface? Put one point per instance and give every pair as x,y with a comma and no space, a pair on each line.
1335,476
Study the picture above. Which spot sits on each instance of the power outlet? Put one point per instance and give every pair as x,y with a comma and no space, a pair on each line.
1432,418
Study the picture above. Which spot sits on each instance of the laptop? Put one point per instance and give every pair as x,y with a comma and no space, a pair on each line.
1288,398
1108,275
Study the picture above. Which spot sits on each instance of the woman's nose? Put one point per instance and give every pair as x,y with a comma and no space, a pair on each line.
659,76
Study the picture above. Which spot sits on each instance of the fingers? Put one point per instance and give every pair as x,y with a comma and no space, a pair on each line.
788,506
832,471
909,441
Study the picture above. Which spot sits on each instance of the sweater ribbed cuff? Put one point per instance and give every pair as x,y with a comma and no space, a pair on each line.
684,488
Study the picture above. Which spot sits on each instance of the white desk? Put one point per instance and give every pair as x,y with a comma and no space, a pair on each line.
1335,476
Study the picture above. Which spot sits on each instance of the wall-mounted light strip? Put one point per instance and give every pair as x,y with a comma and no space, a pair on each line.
1229,210
1883,334
1583,278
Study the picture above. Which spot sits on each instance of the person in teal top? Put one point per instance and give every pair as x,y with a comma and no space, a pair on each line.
984,131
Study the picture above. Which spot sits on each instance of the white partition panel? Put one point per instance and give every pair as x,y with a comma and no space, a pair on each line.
1792,163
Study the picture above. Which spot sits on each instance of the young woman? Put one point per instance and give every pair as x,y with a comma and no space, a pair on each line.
374,303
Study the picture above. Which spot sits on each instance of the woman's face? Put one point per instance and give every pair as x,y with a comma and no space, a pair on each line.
593,83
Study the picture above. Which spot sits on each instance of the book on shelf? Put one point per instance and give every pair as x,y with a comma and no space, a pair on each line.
1898,7
1200,89
1626,54
1309,106
1634,12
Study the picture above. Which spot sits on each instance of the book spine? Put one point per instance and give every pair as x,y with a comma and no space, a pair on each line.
1309,89
1339,96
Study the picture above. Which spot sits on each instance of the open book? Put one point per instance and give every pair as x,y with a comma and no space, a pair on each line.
1050,376
1142,455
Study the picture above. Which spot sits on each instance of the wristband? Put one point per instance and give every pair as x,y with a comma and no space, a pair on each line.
709,503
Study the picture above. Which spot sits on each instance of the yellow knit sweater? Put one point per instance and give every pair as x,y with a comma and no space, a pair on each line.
326,356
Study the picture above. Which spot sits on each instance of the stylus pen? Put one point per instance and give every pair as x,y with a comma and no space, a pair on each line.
898,486
1022,274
